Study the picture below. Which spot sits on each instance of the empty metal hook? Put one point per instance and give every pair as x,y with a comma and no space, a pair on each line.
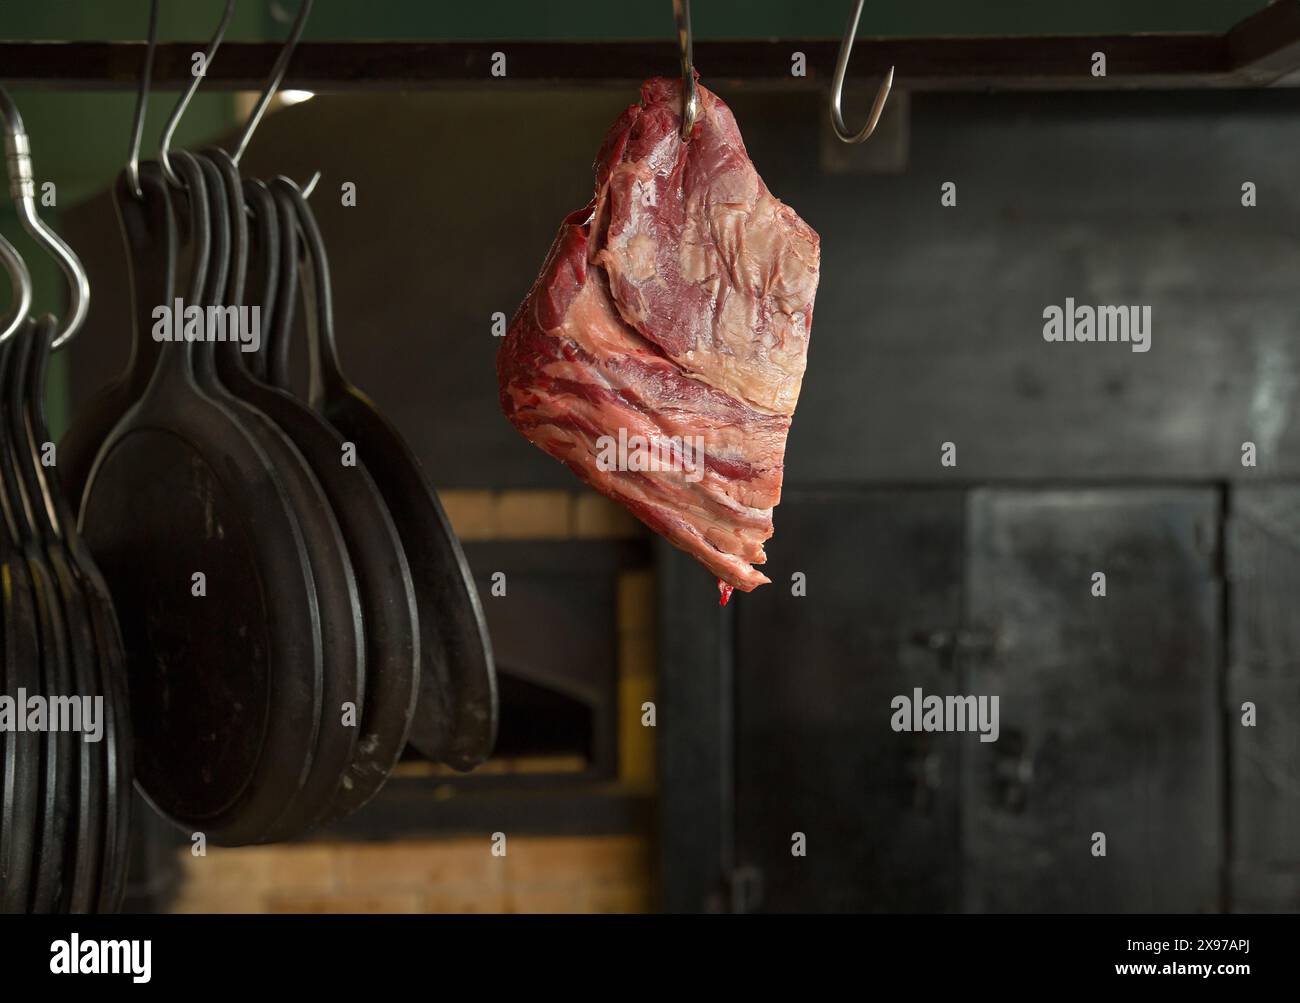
141,101
22,186
20,280
164,146
273,84
837,87
690,101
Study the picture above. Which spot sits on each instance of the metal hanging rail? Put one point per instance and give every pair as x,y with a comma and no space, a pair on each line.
1261,51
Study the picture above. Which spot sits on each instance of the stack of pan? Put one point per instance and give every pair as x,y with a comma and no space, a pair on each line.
66,793
65,753
293,603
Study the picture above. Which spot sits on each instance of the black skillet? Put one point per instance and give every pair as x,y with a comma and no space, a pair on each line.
22,750
138,220
86,842
149,234
383,576
332,575
333,569
391,702
225,689
107,644
53,867
457,672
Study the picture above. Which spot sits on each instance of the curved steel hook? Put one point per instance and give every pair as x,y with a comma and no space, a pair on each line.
22,186
272,86
141,101
837,87
690,101
20,280
164,145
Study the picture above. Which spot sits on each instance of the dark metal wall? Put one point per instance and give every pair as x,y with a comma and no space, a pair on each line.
1111,715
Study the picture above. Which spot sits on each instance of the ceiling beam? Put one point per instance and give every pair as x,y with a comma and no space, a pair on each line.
1261,51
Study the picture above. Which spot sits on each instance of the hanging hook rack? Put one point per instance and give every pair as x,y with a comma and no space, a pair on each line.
141,102
165,144
690,100
837,87
272,86
22,185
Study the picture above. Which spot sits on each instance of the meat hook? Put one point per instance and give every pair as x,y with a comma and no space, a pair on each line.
20,280
22,185
690,102
837,87
277,77
164,146
142,99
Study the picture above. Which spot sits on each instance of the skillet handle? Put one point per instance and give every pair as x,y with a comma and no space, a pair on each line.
148,228
319,301
264,270
287,300
176,356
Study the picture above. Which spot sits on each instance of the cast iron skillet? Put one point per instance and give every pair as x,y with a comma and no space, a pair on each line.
332,566
22,750
53,869
457,672
87,804
139,221
391,703
225,688
341,628
383,576
149,233
107,643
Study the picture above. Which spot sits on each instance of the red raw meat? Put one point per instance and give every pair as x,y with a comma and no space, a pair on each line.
675,307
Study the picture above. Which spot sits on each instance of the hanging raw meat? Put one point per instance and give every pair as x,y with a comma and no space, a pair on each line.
660,352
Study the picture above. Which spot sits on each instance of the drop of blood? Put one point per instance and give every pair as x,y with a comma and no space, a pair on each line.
725,591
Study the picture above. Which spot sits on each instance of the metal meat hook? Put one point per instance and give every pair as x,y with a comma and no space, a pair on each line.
20,281
837,87
142,99
165,145
22,185
690,101
272,85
